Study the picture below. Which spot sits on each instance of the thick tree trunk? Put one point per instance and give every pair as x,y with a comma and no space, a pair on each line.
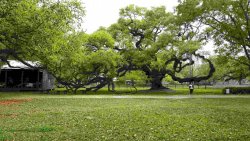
156,81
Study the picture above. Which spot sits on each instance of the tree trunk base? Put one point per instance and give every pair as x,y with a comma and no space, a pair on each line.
159,88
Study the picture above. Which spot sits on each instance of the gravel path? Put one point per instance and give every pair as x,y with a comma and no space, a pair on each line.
147,96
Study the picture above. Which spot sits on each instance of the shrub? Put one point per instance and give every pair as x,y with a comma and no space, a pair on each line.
237,90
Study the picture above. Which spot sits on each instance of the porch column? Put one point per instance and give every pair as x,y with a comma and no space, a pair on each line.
22,74
5,79
38,81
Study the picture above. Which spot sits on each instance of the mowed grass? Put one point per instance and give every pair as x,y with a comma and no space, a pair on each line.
42,117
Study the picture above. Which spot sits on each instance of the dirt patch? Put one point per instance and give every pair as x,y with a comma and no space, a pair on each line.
14,101
8,115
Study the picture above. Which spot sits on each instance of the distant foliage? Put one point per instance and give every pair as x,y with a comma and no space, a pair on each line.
237,90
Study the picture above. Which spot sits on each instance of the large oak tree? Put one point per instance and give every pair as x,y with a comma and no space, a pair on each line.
149,40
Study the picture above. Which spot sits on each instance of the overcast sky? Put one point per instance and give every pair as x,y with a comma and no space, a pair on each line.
105,12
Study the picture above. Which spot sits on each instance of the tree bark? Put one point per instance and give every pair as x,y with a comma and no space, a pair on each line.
156,80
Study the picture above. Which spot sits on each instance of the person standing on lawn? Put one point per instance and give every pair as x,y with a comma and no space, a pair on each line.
191,88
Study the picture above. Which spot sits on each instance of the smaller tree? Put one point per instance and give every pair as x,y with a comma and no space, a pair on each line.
231,69
29,28
136,77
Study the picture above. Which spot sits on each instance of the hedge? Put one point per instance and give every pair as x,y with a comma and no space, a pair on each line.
237,90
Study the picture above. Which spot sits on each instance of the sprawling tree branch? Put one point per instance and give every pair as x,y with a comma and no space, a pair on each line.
191,79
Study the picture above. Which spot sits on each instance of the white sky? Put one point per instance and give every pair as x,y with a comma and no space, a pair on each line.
106,12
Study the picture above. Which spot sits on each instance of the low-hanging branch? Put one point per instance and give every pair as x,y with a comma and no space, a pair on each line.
193,78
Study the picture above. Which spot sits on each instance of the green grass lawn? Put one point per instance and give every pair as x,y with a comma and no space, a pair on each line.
42,117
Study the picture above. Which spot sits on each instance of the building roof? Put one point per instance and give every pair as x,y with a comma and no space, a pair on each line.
19,65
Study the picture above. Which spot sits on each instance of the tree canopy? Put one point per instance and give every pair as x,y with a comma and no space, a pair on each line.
83,60
148,40
226,21
30,28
